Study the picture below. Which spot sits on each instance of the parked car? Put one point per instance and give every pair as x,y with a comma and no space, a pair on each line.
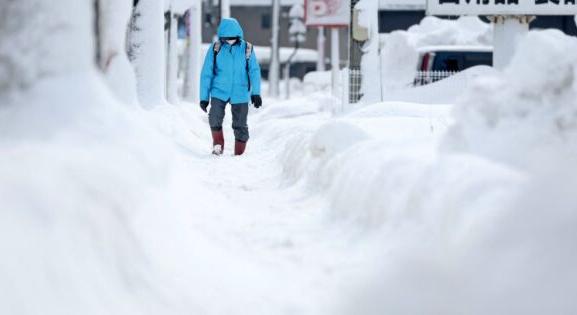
439,62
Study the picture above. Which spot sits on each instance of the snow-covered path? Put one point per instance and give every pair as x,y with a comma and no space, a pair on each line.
278,228
281,227
325,214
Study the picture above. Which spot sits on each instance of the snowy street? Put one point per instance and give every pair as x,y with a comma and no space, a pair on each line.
288,157
265,211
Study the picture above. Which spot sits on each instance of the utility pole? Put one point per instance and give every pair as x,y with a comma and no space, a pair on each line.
507,31
150,62
321,39
274,69
97,35
172,58
335,60
357,38
194,62
224,9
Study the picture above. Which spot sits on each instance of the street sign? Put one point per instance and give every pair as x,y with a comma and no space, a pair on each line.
331,13
502,7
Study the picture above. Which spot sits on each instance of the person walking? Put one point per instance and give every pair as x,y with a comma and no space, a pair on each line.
230,74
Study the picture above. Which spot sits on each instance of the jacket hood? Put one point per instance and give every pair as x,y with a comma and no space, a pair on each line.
230,27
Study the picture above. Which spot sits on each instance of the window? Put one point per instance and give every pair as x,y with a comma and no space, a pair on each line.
398,20
266,21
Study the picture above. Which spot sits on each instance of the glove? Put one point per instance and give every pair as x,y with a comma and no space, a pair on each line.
203,105
256,100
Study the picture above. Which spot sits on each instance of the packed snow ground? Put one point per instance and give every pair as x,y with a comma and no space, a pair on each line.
104,214
397,208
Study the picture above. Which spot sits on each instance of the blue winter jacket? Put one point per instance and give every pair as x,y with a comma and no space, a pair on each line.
228,80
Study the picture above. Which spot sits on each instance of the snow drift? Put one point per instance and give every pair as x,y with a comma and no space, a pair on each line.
95,195
513,256
528,113
482,226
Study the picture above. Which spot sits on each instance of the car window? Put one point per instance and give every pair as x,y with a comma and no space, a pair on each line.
459,61
478,59
448,61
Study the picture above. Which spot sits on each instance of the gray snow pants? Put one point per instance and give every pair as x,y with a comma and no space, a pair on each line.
239,118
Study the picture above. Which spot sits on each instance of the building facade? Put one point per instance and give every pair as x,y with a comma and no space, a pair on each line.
255,16
401,14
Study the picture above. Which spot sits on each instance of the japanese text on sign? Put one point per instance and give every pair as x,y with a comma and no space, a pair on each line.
502,7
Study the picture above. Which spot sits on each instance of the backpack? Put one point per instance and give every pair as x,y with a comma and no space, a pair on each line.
248,51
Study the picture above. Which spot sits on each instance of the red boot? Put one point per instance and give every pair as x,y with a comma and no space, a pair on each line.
239,147
217,142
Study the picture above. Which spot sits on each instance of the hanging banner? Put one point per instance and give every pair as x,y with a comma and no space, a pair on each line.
502,7
330,13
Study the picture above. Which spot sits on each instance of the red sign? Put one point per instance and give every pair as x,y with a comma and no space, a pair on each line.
330,13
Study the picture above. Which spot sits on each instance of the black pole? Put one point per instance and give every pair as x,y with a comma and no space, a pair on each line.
219,12
96,25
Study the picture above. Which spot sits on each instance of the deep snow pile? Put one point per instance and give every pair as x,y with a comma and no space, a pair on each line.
35,41
102,212
446,91
483,226
99,206
399,54
517,256
528,113
110,209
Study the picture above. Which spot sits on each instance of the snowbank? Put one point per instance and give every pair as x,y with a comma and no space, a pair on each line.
318,81
526,114
311,156
35,42
100,211
483,226
99,208
446,91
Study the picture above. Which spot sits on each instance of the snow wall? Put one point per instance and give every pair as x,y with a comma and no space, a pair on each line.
86,183
34,37
483,225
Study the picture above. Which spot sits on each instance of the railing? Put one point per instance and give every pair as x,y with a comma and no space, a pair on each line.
427,77
355,81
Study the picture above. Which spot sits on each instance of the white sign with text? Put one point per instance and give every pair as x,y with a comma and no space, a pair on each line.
502,7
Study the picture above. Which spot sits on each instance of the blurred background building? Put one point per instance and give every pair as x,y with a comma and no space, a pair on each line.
255,16
402,14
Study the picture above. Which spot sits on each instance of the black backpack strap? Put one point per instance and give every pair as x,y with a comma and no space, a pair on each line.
215,49
247,54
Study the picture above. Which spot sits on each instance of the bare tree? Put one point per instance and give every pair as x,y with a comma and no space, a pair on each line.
274,72
147,51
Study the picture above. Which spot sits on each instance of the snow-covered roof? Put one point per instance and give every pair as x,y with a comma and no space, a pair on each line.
402,4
